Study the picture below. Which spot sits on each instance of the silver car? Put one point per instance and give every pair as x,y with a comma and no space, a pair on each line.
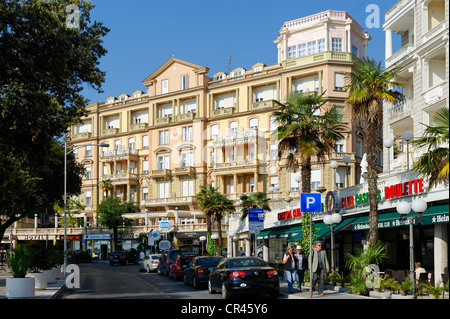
149,263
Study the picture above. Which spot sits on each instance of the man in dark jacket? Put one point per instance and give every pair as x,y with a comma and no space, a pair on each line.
301,266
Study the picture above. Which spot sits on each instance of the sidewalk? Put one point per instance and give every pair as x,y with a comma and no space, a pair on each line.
52,291
304,294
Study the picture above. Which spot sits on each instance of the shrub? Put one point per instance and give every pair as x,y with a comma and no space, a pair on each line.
18,262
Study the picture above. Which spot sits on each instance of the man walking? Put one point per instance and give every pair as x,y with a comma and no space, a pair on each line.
318,264
301,267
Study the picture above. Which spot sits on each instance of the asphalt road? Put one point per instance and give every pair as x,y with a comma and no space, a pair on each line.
102,281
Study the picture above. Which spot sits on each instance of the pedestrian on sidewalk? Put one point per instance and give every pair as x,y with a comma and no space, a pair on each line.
301,266
290,262
318,264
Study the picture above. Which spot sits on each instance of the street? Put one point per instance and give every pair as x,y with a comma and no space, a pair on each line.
102,281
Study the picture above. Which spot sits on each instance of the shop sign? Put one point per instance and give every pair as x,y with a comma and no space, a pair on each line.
385,224
69,237
294,213
33,237
390,192
99,236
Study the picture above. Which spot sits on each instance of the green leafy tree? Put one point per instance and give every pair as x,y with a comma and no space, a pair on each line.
107,186
369,86
433,164
254,200
73,208
110,214
45,64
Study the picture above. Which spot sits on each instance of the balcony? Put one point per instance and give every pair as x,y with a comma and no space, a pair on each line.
121,178
187,200
161,173
400,110
263,104
184,171
138,126
400,54
337,156
110,131
118,153
163,120
81,136
224,111
320,57
186,117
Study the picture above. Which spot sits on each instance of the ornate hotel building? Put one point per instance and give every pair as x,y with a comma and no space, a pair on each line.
189,129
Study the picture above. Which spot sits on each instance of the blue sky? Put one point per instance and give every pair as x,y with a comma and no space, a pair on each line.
146,33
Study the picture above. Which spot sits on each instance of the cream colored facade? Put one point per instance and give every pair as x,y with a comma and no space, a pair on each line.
188,129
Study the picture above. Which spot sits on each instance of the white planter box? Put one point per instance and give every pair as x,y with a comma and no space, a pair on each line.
57,272
381,295
50,275
40,279
19,288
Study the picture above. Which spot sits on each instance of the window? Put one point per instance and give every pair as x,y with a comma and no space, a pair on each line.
273,123
187,159
145,193
163,162
254,123
252,185
273,152
165,111
187,134
315,178
88,198
214,130
339,81
88,172
233,127
294,185
336,44
164,86
123,98
88,150
231,186
355,51
132,191
75,153
132,167
311,47
145,141
145,167
163,190
359,146
301,49
273,181
258,95
131,143
136,95
105,170
321,45
291,53
339,146
163,137
116,144
340,177
184,82
187,187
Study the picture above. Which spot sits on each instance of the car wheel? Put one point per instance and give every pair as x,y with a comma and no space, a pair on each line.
148,268
195,283
210,288
226,294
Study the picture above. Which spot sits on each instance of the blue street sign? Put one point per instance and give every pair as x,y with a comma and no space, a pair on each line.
164,224
310,203
256,219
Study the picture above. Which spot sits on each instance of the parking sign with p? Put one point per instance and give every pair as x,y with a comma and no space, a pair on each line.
310,203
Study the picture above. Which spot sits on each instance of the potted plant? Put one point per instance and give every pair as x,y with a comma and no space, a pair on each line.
426,288
19,286
38,261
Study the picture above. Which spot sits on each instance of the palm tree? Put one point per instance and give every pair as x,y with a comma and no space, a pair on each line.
214,204
303,133
369,86
106,185
254,200
433,164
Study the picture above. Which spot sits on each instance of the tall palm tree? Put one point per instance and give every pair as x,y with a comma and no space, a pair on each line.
303,133
369,86
254,200
214,204
433,164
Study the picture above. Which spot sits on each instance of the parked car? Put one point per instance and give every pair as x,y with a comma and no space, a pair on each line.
180,263
149,263
79,256
123,258
243,275
168,256
197,273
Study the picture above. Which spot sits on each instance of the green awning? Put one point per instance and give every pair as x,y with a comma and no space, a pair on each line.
321,230
386,220
285,232
435,215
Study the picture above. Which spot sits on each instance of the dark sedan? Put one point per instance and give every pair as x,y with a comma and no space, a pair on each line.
244,275
198,270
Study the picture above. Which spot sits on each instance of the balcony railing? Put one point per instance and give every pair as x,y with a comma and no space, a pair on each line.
138,126
223,111
400,110
187,170
168,201
110,131
161,173
263,104
401,53
186,116
80,136
119,152
163,120
433,32
319,57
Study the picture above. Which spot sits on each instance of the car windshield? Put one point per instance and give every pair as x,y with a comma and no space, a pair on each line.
246,262
117,253
190,250
209,261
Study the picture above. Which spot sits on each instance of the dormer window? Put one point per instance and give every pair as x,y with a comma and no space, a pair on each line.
219,76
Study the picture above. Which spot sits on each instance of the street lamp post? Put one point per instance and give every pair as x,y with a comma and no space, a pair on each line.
332,220
407,136
403,208
334,165
388,142
65,192
271,190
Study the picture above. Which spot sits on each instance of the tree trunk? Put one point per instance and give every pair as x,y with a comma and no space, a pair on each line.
208,224
219,226
372,179
306,175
